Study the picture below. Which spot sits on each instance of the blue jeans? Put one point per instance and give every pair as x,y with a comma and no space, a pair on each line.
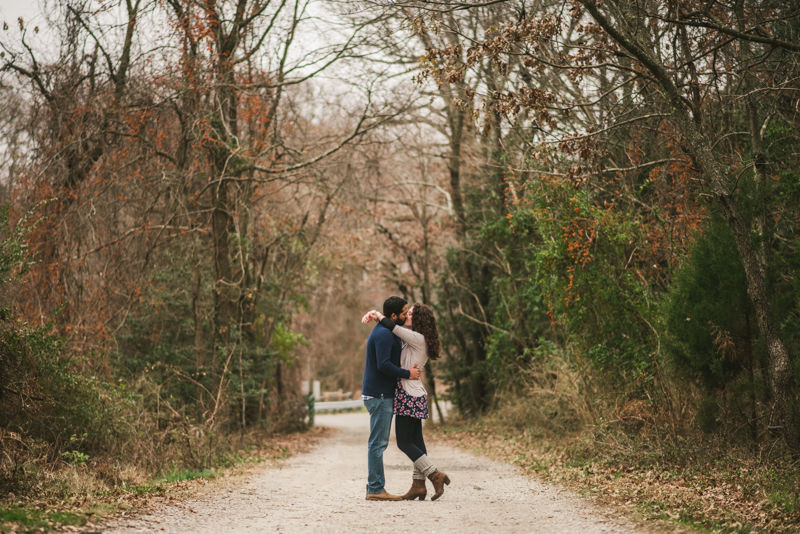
380,424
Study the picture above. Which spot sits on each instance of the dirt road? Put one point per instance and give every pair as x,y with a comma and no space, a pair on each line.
324,491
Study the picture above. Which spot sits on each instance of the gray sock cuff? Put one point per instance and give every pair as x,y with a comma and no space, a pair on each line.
424,465
418,475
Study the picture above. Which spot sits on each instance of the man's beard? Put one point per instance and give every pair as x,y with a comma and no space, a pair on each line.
398,321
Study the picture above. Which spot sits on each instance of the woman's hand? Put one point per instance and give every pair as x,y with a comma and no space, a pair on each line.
373,315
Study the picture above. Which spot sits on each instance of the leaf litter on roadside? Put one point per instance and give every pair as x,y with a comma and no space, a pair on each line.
722,494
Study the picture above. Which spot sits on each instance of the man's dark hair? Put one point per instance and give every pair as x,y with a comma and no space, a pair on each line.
393,305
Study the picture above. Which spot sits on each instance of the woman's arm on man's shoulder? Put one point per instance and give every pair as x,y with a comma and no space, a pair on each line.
415,339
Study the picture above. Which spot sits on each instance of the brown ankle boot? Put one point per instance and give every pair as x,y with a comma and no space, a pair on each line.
438,479
418,489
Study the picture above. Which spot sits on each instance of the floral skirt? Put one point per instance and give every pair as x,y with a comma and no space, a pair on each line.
409,406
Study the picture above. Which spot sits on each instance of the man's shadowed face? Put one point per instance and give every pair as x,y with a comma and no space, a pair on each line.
400,319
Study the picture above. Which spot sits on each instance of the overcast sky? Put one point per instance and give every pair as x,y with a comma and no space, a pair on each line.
11,10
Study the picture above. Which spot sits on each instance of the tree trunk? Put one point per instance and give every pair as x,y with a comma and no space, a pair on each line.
430,380
456,121
199,355
748,349
780,365
225,129
220,220
756,142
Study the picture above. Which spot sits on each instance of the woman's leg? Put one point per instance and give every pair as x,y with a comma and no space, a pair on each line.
417,437
405,428
424,467
420,443
409,439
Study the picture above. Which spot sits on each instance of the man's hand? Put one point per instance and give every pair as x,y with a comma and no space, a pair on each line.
415,371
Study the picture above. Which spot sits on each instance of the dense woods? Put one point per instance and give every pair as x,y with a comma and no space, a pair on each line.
599,199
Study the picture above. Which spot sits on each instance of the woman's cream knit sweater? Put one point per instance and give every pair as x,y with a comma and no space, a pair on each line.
414,351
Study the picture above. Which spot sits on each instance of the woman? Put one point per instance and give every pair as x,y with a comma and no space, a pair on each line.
410,398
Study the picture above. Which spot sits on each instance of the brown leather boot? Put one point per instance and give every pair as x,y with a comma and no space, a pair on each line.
438,479
383,496
418,489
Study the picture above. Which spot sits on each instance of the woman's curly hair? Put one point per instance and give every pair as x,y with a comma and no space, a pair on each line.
423,321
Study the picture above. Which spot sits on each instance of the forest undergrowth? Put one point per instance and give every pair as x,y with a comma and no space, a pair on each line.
78,491
629,456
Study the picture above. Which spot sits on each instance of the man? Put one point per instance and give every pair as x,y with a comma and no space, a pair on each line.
381,371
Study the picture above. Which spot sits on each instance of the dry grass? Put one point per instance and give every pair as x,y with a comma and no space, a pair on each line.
647,457
82,495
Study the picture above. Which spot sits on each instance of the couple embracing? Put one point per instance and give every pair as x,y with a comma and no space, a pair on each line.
397,349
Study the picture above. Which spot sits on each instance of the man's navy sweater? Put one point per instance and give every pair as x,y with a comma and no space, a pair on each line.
382,368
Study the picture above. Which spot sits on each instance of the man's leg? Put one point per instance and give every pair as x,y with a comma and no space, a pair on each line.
380,424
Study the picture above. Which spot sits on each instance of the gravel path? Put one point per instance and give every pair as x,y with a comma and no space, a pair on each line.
324,491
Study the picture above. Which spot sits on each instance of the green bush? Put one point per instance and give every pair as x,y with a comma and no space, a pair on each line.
585,269
708,314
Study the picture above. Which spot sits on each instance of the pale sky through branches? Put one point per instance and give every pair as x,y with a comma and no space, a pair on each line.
11,10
